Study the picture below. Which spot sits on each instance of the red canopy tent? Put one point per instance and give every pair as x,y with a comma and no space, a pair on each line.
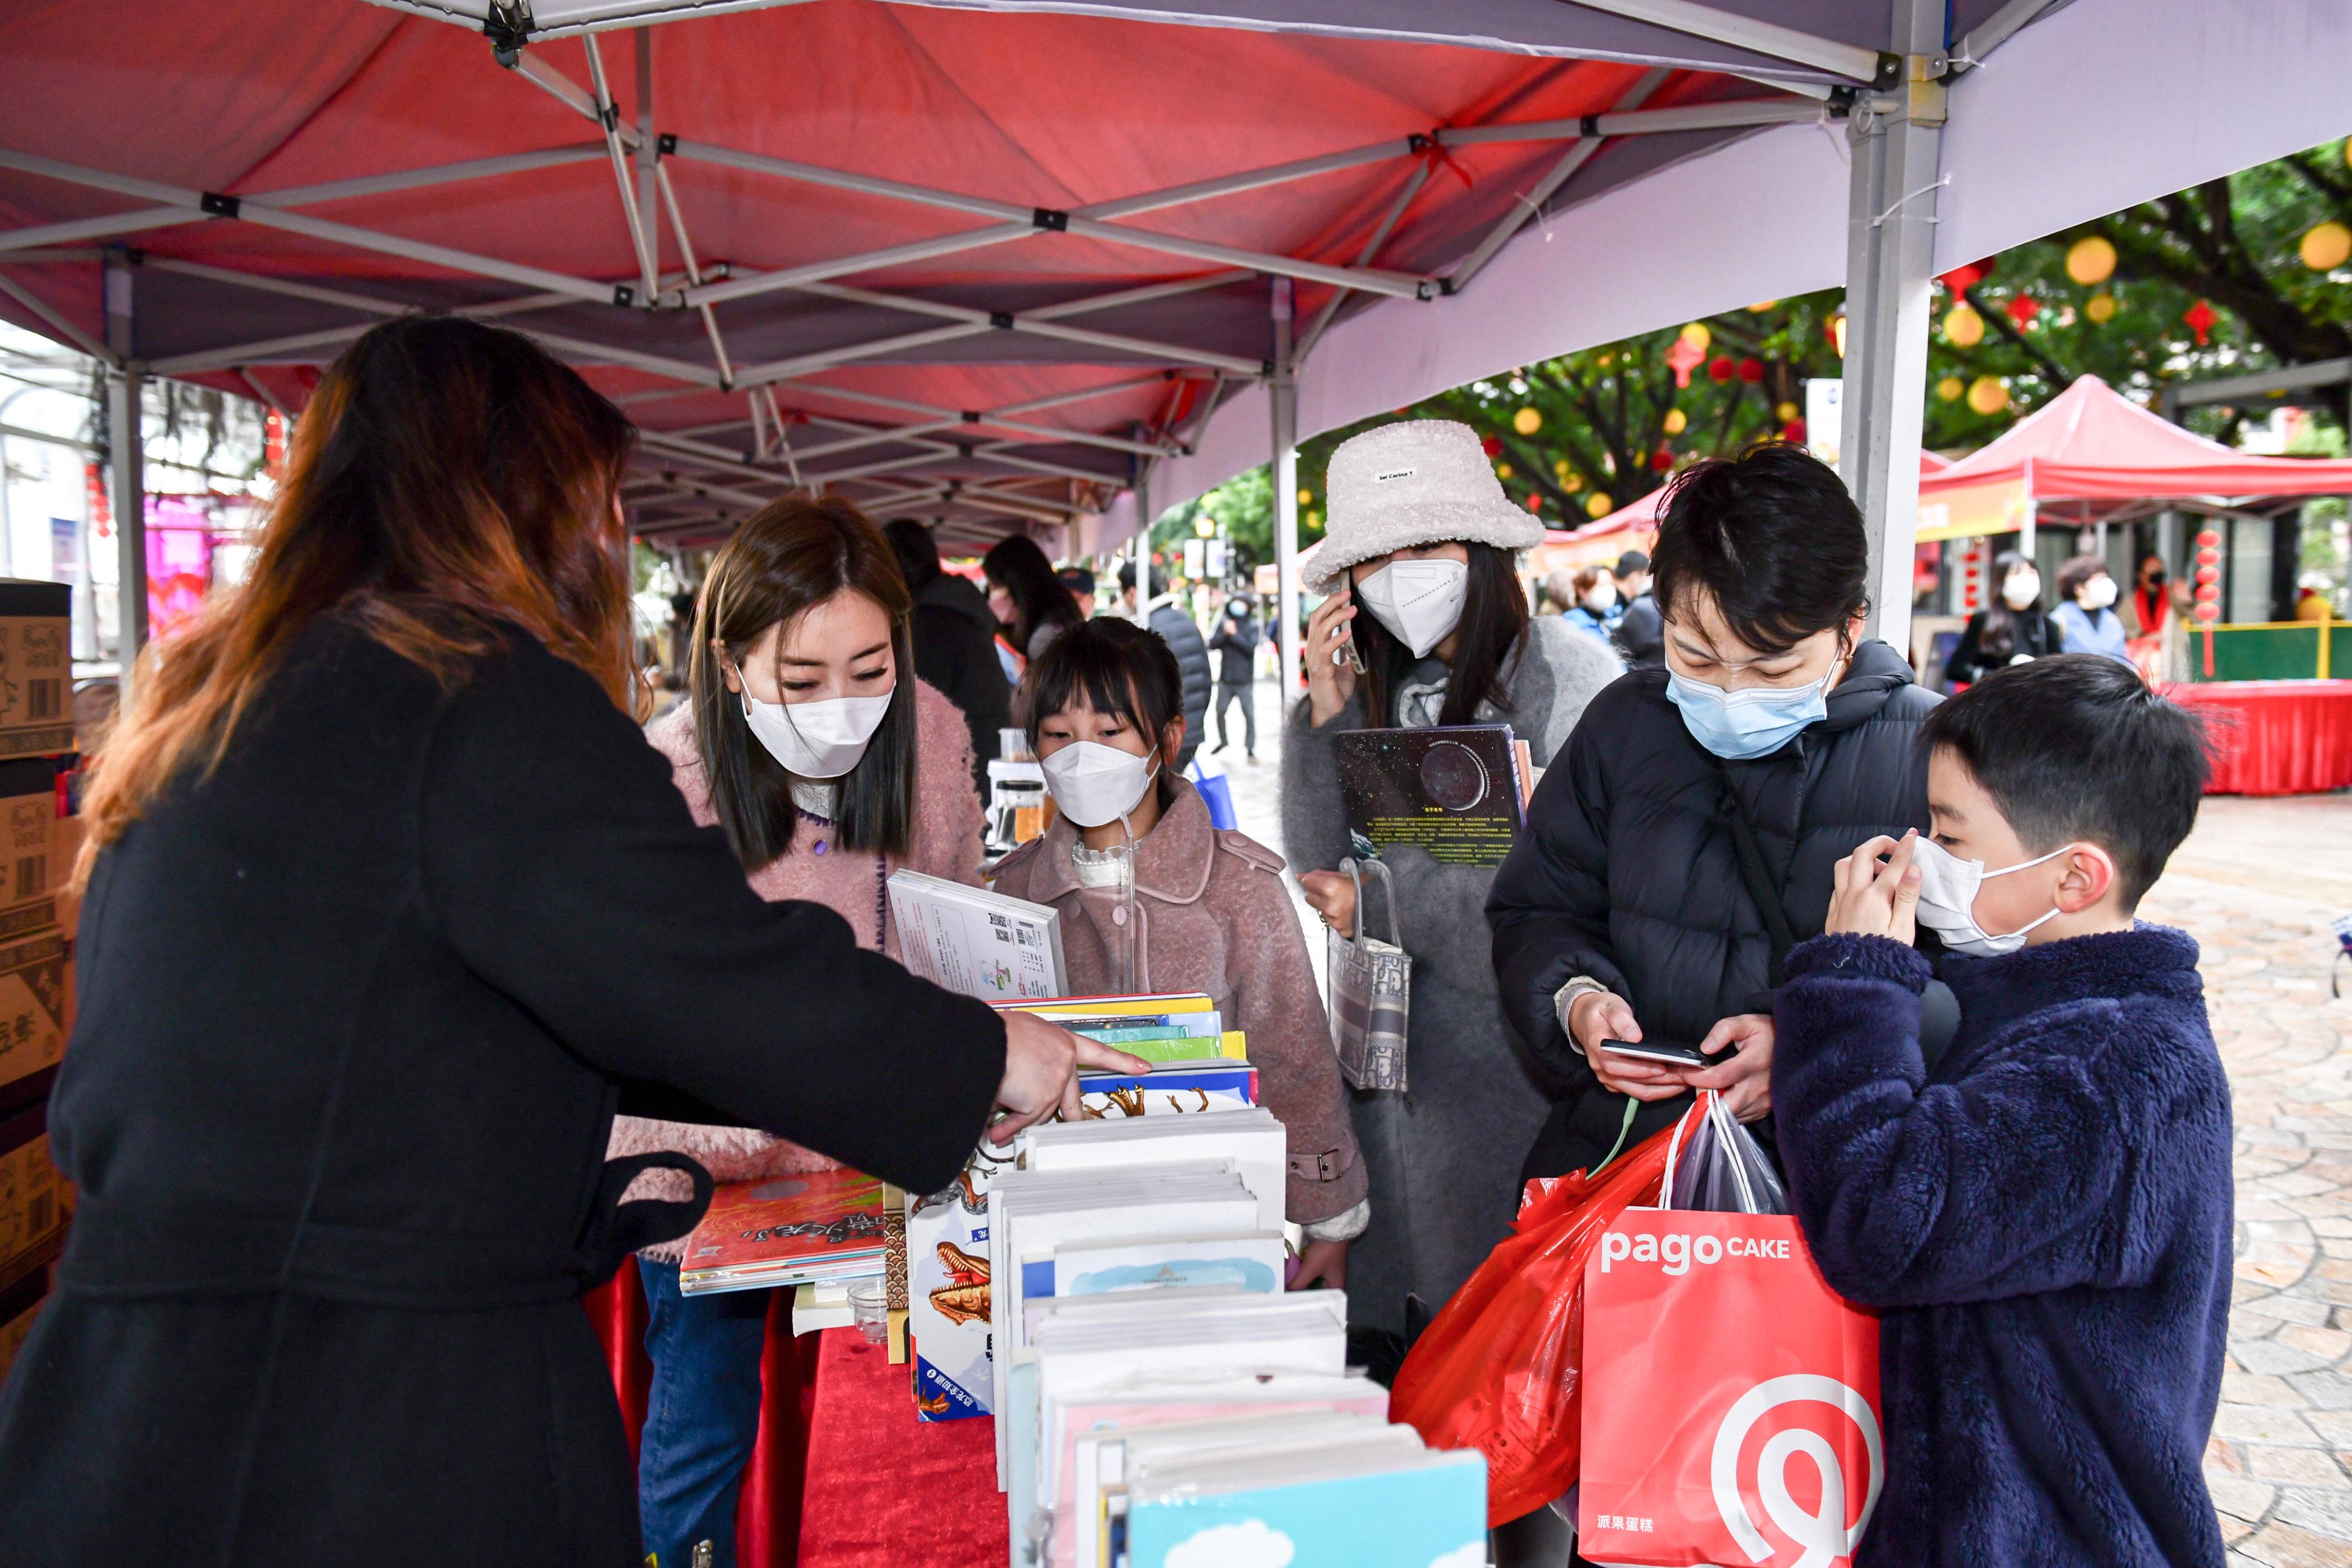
2092,454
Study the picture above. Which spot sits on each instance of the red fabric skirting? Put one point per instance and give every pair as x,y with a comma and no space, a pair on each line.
768,1516
2276,737
886,1490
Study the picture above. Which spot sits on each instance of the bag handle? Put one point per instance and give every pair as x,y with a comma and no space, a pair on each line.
1758,876
1675,1145
1356,869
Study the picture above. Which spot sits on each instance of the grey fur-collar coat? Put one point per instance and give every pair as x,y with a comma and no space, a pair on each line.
1444,1155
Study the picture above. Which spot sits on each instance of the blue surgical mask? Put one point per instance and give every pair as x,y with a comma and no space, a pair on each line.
1739,726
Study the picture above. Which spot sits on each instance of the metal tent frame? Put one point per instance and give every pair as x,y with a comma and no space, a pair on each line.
986,468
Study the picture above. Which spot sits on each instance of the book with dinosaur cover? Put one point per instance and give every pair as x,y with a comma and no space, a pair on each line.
786,1230
1456,791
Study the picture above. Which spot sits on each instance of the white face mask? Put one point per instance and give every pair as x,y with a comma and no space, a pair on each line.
816,740
1094,784
2098,594
1948,898
1600,601
2021,589
1420,601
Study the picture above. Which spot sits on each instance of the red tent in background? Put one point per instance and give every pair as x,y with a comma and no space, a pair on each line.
2092,447
1630,526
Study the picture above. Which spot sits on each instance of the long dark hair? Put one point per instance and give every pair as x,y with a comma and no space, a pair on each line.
1493,619
448,482
1112,666
1015,565
1996,639
789,557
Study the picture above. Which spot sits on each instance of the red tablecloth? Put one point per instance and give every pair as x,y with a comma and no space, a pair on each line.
843,1476
886,1490
2276,737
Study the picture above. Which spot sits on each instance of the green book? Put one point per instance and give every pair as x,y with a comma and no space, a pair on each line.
1200,1047
1122,1035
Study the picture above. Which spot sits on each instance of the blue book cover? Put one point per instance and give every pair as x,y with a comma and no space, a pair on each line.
1432,1517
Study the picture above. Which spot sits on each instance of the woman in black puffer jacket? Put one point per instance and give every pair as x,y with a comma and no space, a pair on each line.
1625,910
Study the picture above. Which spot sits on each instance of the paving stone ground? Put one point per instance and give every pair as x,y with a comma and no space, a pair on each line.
2258,884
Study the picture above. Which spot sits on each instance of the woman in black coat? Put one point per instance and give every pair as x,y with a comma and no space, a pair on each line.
392,907
2013,629
1624,912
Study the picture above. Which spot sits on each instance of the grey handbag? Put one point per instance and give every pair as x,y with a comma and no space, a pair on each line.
1370,993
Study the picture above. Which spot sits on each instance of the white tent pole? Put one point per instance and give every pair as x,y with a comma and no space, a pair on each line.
1021,323
1323,318
1697,117
988,421
808,364
1254,179
125,391
1996,30
99,227
57,322
1139,296
1890,258
745,284
609,115
668,189
275,403
435,174
1746,33
648,157
1282,389
1011,458
538,72
1527,206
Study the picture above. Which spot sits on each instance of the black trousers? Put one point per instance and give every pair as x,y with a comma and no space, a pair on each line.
1247,697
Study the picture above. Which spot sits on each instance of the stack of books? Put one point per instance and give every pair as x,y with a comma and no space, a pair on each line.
1160,1401
1200,1067
815,1229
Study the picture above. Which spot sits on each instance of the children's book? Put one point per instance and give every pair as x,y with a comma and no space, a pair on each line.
1252,1139
1456,791
947,1294
1246,1259
979,942
1365,1504
823,1225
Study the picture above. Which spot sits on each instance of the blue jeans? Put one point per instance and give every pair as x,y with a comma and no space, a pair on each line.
701,1416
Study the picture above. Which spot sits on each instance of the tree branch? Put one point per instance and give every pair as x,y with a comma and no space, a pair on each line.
1998,320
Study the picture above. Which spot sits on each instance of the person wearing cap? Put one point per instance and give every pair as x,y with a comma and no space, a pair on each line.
1640,633
1427,624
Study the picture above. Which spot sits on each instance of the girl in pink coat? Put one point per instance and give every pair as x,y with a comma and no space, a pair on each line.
1154,899
809,742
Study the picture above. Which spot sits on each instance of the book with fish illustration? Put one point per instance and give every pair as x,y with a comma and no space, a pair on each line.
786,1230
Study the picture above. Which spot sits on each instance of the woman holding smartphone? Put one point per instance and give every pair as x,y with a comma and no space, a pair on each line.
1423,542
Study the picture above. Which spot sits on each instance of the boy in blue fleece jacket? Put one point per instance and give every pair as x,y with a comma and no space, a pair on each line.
2044,1213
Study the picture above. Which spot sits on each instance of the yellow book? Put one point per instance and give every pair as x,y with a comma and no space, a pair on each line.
1110,1007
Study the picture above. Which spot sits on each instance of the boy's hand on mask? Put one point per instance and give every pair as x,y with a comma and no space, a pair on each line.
1871,899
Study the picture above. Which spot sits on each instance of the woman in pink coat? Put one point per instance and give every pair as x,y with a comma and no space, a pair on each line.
1154,899
812,745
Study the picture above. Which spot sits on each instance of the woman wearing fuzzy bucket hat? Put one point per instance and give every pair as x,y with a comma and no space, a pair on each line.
1422,538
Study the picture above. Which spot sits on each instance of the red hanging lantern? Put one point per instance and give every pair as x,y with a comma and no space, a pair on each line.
1960,280
1751,371
1793,432
1493,446
1535,503
1662,460
2202,320
2022,309
1684,357
1721,369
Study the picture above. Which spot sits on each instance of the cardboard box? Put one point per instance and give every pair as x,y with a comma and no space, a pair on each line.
32,996
28,816
32,1205
19,1304
36,669
65,847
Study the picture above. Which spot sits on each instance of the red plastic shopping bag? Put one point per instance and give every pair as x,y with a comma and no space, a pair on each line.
1731,1398
1497,1370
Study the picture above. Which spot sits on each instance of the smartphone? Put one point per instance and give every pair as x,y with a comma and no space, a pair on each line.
1671,1055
